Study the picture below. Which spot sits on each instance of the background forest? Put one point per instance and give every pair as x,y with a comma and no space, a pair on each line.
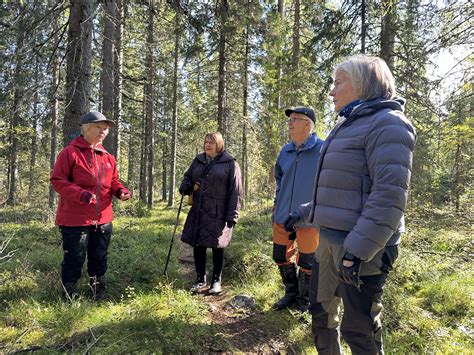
169,71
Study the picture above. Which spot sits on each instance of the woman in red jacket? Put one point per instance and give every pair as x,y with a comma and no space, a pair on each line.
85,177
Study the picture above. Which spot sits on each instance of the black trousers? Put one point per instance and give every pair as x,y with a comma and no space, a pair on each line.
79,242
217,261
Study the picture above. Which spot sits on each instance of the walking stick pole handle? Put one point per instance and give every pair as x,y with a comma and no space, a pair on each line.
174,233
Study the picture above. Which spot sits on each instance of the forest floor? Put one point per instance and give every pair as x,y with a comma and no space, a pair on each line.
428,298
241,330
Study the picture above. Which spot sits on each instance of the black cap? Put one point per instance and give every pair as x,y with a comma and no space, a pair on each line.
304,110
93,117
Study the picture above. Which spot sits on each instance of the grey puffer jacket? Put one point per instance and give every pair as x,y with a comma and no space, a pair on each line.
216,202
363,177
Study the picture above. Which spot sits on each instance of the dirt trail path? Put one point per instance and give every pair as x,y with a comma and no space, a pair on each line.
236,330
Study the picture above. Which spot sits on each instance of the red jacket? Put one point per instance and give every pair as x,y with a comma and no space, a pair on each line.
81,168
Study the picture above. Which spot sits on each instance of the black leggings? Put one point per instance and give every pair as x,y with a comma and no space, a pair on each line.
200,260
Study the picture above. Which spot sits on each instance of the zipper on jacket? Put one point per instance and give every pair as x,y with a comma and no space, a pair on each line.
294,178
98,189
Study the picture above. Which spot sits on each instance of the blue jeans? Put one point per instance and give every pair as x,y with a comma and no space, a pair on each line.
79,242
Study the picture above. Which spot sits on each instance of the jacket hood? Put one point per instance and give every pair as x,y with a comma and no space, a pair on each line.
225,157
370,107
82,144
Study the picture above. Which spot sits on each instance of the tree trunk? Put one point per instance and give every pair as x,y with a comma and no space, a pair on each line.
78,73
149,88
174,137
118,83
34,126
245,118
222,88
143,160
55,63
107,74
363,20
295,84
15,124
281,6
387,33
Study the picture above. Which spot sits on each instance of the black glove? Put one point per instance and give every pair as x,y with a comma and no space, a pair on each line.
185,188
350,274
290,222
230,224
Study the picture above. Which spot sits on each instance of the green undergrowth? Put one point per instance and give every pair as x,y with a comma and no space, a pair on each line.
428,298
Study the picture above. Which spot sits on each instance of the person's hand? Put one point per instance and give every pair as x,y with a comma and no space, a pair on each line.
185,187
124,194
290,222
349,270
88,198
230,224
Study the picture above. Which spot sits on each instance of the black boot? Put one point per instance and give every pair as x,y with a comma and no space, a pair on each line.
288,275
98,287
302,299
69,291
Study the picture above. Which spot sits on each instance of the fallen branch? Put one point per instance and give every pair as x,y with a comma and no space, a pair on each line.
91,345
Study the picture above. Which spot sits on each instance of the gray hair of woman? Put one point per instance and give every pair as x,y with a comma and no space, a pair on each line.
370,76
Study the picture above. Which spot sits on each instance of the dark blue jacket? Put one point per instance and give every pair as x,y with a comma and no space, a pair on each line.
295,170
364,171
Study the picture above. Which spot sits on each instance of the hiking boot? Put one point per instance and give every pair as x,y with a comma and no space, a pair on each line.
288,276
69,291
216,286
199,284
98,288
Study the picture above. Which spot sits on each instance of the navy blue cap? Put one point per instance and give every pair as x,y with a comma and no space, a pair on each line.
94,117
304,110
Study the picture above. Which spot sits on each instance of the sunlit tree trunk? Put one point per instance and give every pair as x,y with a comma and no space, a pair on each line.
78,72
387,33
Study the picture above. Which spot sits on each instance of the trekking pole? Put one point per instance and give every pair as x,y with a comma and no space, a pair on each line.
174,233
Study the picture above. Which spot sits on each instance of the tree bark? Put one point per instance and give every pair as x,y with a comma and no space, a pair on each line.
363,20
387,33
149,95
174,136
118,82
78,73
222,88
107,74
55,65
245,117
15,123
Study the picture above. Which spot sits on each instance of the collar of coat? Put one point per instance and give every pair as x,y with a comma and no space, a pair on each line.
82,144
309,143
372,106
226,157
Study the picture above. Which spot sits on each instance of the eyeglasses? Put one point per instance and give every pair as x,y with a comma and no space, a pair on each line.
294,119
